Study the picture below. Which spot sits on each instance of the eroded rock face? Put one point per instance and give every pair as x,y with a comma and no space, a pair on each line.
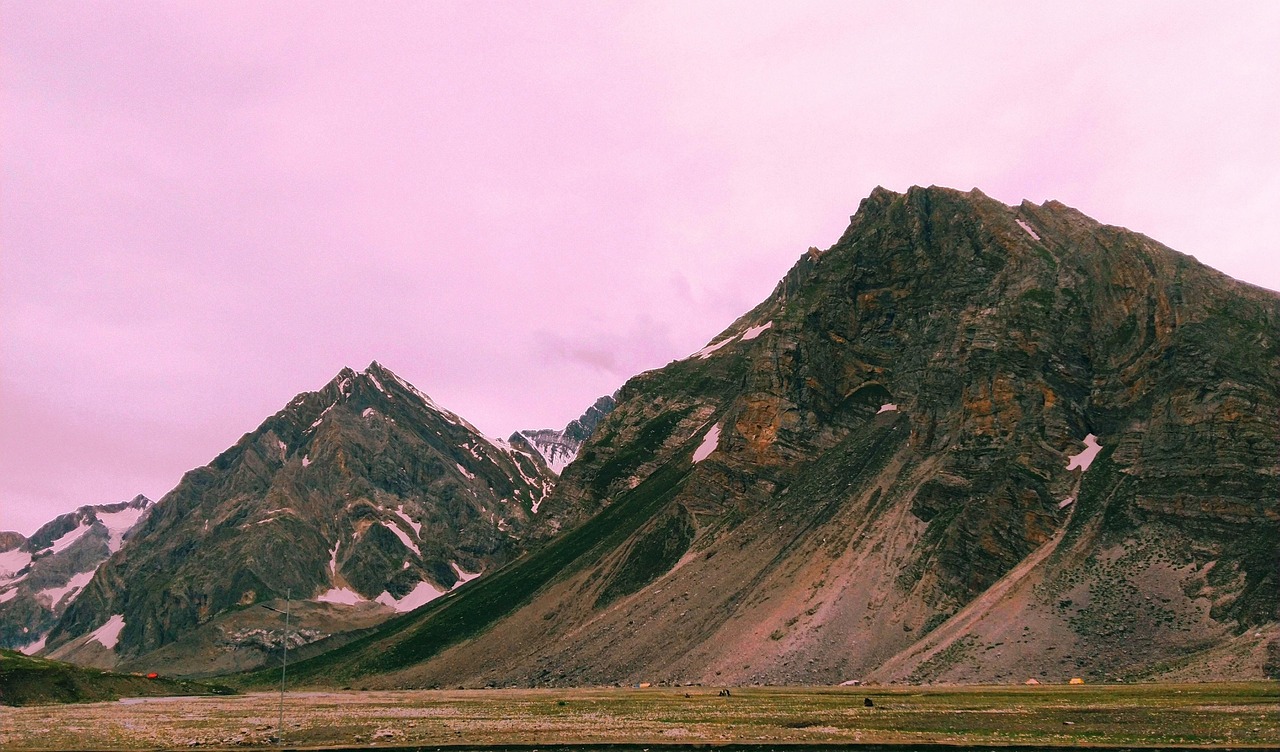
365,490
870,474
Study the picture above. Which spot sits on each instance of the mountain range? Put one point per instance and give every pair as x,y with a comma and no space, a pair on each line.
361,500
968,442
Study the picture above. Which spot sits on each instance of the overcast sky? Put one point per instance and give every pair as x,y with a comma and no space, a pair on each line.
206,208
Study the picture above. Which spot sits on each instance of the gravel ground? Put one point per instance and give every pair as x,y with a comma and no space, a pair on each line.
1240,715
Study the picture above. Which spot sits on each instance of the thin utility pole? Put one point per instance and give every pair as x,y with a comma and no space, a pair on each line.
284,663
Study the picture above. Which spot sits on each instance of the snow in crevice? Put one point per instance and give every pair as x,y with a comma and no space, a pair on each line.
403,536
1084,459
320,420
709,444
417,526
8,595
34,647
887,407
377,383
538,502
422,594
306,460
345,596
470,475
109,634
368,412
1027,227
756,331
333,560
463,575
1066,502
532,482
68,591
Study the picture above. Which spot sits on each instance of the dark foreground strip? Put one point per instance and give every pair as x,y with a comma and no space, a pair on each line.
781,747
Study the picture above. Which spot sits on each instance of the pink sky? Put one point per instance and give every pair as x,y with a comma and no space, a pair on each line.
206,208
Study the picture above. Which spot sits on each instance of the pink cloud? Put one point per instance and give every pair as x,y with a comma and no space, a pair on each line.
208,207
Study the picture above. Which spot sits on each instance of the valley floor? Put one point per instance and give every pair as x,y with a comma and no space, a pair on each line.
1170,716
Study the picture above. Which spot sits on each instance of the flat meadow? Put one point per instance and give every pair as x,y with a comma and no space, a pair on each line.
1244,715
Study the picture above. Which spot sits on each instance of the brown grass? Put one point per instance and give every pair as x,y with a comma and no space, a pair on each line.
1239,715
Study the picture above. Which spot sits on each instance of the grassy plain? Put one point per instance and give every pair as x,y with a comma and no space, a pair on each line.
1222,715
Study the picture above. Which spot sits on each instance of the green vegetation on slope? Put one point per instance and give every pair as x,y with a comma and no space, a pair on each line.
26,680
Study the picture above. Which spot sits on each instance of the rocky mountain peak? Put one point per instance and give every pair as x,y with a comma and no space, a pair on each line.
362,494
967,442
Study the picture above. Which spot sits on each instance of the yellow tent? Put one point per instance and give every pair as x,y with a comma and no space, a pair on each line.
1076,680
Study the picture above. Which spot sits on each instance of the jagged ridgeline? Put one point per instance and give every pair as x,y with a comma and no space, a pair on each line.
968,442
363,499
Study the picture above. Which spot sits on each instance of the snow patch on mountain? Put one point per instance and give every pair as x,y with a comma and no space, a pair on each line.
403,536
422,594
417,526
1027,227
709,444
69,591
887,407
345,596
109,634
8,595
1084,459
11,563
463,575
65,541
320,419
756,331
706,352
119,523
556,450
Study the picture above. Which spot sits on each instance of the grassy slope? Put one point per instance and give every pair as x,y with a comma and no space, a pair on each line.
26,680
